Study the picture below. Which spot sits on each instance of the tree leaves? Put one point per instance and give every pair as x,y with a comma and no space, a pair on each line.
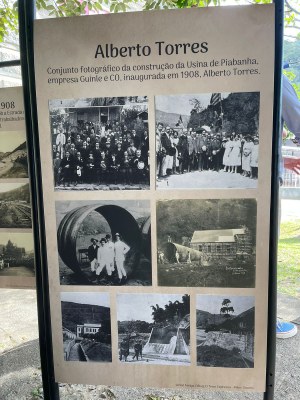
70,8
8,18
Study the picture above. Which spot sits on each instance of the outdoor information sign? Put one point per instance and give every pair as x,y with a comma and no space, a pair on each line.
155,134
16,238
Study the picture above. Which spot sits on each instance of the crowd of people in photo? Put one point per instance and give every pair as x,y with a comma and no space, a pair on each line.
180,150
107,154
107,259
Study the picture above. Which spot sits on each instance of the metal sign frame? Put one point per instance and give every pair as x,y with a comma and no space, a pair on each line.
26,26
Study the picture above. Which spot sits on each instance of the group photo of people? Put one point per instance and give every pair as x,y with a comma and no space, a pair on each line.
214,144
100,142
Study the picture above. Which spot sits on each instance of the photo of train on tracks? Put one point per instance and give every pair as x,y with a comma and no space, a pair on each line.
225,331
106,243
206,243
16,254
15,209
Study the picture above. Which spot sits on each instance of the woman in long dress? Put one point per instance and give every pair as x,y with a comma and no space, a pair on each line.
246,156
235,156
227,154
254,159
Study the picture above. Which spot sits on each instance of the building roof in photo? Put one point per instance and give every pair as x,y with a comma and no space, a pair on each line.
217,235
91,325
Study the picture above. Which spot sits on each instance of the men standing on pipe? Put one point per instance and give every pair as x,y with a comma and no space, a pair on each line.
121,249
92,254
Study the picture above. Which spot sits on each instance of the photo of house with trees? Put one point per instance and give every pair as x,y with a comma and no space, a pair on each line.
16,254
225,331
154,328
86,328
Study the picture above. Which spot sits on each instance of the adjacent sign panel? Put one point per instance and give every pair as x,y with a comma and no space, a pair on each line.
16,239
155,134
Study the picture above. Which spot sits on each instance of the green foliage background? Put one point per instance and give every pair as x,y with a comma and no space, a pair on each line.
69,8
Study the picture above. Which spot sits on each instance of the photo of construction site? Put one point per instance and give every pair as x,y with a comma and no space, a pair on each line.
15,210
225,331
206,243
154,329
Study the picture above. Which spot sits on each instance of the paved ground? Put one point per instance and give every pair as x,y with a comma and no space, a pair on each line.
17,271
204,179
103,187
20,370
290,210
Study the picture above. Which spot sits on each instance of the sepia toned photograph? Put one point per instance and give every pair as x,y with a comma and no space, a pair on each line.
225,331
208,140
15,209
16,254
154,329
100,143
206,243
86,327
106,243
13,155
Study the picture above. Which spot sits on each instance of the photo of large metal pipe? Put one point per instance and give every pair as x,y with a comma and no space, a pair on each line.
119,220
184,253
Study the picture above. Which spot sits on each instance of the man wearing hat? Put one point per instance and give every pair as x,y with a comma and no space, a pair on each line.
103,258
167,162
135,138
60,143
92,253
110,252
200,142
121,249
216,149
183,153
108,148
208,153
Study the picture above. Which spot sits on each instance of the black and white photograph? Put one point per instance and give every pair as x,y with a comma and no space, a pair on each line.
13,155
16,254
225,331
208,140
154,329
86,327
104,243
100,143
15,209
206,243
